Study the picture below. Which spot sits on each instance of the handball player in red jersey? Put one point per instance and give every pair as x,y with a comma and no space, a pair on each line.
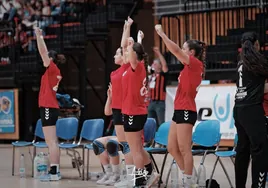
134,110
116,104
192,55
48,104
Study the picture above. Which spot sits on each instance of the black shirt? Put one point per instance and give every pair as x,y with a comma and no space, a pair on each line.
250,87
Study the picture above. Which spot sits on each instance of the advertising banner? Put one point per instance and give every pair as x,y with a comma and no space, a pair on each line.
7,112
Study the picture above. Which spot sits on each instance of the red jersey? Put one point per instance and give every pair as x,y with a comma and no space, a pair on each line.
116,79
134,91
49,86
265,104
189,80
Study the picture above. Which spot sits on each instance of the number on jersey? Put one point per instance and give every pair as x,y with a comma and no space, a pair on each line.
240,74
144,90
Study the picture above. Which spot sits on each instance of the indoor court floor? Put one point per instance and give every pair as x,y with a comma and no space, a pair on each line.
70,175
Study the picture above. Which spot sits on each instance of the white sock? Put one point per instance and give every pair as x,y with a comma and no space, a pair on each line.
188,180
57,167
182,178
116,169
130,169
107,168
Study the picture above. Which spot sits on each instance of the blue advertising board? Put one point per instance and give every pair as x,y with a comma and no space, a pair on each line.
7,111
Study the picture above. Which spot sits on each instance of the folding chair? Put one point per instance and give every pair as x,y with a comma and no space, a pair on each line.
224,154
207,134
66,129
26,144
161,137
91,130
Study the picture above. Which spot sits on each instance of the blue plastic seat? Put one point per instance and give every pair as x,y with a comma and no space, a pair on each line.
221,154
149,130
91,130
161,138
66,130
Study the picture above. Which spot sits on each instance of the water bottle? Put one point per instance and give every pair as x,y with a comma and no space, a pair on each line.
36,164
123,169
174,175
202,176
22,166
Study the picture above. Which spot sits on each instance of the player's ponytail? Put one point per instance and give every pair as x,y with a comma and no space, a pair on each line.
142,55
56,58
252,59
60,59
200,49
202,56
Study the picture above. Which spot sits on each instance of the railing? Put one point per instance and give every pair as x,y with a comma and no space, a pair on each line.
219,24
177,7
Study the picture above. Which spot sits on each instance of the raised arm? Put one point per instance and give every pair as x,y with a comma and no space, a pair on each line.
125,36
172,47
108,108
42,48
131,54
162,59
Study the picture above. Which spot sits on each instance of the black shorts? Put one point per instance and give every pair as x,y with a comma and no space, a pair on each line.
49,116
134,123
184,116
117,117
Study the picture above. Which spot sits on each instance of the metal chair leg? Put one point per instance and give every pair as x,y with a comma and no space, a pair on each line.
13,160
83,158
87,162
30,154
154,163
162,170
232,159
214,168
77,163
34,154
226,173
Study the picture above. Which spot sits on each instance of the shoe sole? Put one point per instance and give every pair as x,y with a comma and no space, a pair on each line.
156,178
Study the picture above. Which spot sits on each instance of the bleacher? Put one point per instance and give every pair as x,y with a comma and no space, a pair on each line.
218,23
65,36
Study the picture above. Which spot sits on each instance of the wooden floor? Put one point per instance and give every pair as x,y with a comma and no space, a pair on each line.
70,175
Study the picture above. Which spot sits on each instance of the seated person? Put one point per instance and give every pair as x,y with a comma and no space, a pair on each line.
106,148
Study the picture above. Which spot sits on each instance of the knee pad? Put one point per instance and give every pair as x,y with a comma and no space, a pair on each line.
112,148
98,147
124,147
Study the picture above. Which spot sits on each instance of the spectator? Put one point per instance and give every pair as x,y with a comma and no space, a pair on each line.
5,8
56,7
22,38
46,13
